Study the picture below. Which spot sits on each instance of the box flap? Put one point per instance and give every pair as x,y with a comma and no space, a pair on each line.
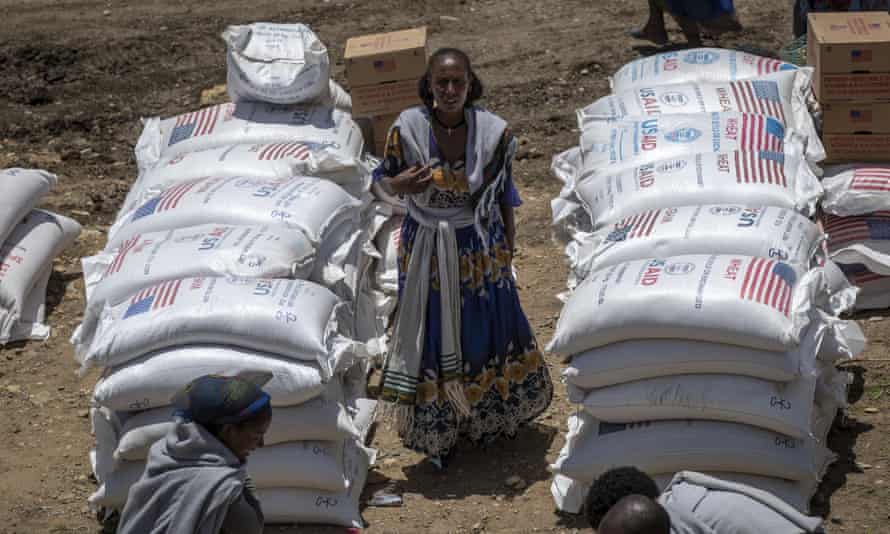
850,27
382,43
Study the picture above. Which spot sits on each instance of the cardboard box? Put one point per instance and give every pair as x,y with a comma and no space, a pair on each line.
384,98
856,117
381,125
851,54
846,148
374,129
386,57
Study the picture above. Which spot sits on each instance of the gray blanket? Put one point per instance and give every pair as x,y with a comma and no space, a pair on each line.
732,508
190,481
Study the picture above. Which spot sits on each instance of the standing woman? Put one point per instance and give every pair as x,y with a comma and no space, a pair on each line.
464,362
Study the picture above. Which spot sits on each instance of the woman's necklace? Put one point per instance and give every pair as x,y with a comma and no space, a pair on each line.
449,129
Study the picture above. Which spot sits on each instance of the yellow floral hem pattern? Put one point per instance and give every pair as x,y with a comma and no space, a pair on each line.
515,371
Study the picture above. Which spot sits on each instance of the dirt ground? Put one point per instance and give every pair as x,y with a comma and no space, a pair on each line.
75,78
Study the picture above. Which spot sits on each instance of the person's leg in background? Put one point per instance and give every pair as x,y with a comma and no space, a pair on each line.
654,30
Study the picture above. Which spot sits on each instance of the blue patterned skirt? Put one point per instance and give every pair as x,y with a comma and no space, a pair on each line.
505,378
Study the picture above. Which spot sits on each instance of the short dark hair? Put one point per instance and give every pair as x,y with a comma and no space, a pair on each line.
260,415
612,486
636,514
425,92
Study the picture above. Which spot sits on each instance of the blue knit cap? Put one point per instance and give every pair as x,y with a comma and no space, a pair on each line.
220,400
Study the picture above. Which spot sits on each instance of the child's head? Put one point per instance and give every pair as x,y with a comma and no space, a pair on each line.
614,485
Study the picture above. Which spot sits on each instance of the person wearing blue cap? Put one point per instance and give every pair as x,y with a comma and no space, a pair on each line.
195,480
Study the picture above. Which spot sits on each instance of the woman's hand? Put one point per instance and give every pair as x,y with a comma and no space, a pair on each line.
411,181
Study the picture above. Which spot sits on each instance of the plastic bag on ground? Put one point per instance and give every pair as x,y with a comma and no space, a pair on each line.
590,201
695,65
856,189
764,231
24,257
21,190
593,447
738,300
277,63
250,123
315,207
637,141
152,381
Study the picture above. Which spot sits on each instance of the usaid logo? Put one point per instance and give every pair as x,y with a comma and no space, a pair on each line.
679,268
674,98
683,135
725,210
672,166
705,57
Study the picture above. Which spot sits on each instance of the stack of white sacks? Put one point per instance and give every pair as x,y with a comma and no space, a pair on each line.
856,217
242,247
701,334
30,239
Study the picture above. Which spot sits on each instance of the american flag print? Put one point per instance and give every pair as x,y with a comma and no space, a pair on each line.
153,298
871,179
860,56
275,151
761,133
194,124
121,256
759,96
763,167
845,230
860,115
167,200
765,65
769,282
639,225
859,275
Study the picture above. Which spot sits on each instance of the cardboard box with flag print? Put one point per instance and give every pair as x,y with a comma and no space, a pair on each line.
383,70
856,131
851,54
